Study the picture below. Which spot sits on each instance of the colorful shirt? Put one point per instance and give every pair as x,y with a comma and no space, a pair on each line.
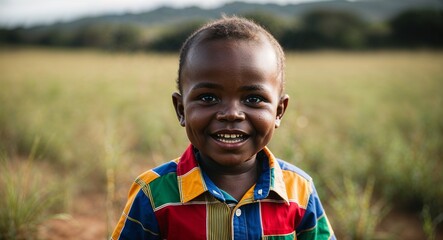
178,201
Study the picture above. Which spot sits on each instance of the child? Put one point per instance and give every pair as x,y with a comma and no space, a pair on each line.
227,184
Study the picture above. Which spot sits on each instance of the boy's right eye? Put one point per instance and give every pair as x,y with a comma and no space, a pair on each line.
208,98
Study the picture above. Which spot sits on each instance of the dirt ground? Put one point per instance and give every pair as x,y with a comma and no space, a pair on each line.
87,221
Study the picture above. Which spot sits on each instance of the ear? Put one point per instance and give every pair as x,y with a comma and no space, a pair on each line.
281,108
177,100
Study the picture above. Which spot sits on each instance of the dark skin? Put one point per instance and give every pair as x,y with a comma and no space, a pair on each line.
230,105
236,183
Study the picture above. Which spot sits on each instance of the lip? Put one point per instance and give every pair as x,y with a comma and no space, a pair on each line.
229,138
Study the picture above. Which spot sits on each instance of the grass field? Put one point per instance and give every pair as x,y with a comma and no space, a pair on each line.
367,126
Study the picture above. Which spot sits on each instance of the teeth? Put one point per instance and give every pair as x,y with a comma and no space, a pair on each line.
230,138
229,135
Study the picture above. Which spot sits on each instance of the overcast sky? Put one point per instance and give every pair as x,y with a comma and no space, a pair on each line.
33,12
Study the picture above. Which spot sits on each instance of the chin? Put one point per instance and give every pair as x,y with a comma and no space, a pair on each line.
230,161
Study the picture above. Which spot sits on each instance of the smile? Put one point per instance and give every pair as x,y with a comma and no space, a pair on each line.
230,138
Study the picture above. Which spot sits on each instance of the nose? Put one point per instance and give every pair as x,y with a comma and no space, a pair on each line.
231,111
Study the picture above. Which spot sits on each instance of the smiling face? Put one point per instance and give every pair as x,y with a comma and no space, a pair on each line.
231,99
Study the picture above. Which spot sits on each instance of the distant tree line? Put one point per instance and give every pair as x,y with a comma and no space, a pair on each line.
319,29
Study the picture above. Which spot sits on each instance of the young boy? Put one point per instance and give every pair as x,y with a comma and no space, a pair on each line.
227,184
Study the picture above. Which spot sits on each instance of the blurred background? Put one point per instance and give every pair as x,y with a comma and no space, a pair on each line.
85,107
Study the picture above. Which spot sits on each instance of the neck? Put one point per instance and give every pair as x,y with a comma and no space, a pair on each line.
235,180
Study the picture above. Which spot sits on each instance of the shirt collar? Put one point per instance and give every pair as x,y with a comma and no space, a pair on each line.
192,184
271,178
189,176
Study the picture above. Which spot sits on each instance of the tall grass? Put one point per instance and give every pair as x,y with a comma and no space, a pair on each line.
104,118
356,215
28,197
430,222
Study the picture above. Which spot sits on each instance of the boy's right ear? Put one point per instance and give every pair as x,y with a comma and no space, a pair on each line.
177,100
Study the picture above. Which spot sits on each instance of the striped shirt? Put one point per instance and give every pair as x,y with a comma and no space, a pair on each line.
178,201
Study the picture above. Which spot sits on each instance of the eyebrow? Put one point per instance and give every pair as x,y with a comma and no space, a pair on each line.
207,85
253,88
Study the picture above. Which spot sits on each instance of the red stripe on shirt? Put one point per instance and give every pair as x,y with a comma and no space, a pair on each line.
277,218
182,221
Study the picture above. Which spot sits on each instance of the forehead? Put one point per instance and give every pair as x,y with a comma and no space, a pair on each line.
232,55
232,65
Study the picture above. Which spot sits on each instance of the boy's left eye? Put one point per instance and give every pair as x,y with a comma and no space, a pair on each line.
254,99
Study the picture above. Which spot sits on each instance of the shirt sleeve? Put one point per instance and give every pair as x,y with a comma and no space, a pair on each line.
138,220
315,224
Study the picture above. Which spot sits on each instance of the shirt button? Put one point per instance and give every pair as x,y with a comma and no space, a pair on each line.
260,192
238,212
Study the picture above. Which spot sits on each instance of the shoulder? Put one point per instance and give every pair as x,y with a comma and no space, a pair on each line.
291,169
158,172
299,185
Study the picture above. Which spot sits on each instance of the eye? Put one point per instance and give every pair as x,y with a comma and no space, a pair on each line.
254,99
208,98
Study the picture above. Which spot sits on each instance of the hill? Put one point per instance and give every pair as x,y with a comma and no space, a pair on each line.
370,10
356,25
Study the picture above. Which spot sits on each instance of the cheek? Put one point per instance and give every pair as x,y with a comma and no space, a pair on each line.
265,122
197,118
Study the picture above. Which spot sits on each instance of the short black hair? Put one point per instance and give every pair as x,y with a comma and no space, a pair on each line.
229,28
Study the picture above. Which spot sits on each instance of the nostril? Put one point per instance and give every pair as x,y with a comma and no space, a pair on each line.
231,116
230,110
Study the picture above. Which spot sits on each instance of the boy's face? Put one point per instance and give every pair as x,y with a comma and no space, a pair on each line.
231,99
